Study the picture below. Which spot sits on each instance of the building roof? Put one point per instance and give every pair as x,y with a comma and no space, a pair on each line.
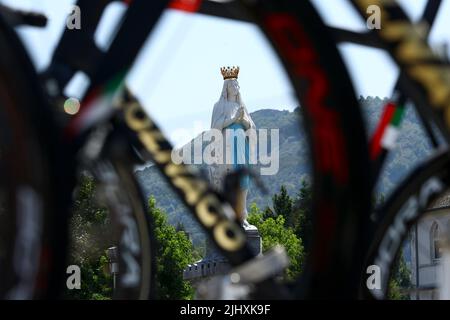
441,202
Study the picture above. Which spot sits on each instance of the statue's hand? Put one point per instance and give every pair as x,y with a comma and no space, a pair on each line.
242,119
241,114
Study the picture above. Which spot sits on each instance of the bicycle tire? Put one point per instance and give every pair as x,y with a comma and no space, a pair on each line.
352,200
421,79
130,230
119,154
401,211
337,138
31,243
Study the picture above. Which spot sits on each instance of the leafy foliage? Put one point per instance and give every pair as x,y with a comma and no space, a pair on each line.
279,228
89,227
400,282
282,203
301,216
174,253
273,232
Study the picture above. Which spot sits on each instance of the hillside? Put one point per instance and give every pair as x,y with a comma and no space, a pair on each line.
294,161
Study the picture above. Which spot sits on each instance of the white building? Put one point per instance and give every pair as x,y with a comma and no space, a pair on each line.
426,251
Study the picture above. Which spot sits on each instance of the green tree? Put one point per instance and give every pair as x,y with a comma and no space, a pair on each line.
274,232
174,253
297,211
303,214
282,203
88,229
400,282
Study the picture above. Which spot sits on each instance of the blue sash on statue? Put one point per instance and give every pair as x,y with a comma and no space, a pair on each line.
239,150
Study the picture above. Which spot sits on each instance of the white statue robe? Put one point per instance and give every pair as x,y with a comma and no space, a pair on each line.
224,114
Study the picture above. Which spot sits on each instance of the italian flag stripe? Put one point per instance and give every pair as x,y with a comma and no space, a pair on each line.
389,137
397,116
387,130
95,105
186,5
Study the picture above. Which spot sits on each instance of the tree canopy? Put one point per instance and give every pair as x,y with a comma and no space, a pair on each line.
174,253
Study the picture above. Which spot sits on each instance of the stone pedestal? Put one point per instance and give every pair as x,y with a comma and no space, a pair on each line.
254,239
214,263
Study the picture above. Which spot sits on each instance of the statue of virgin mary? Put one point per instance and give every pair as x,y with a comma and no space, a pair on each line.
231,117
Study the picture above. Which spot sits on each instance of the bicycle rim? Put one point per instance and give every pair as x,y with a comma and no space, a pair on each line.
29,249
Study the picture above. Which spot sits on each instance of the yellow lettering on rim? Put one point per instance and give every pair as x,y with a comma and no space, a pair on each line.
133,121
429,76
228,236
173,169
206,216
192,189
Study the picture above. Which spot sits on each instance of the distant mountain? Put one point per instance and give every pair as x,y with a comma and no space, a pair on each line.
294,161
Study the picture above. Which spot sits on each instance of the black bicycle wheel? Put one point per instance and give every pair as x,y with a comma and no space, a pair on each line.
407,205
111,230
337,141
137,246
337,147
337,153
28,245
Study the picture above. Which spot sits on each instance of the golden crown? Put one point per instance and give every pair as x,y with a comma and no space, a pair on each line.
229,72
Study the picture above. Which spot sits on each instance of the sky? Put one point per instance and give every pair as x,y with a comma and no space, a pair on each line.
177,77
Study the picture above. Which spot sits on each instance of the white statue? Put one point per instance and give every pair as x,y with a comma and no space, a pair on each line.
230,114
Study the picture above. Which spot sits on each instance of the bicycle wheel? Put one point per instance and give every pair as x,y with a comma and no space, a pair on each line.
410,201
111,233
29,247
332,141
403,211
346,196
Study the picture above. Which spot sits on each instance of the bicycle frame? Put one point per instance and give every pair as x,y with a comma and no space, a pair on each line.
424,69
215,215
